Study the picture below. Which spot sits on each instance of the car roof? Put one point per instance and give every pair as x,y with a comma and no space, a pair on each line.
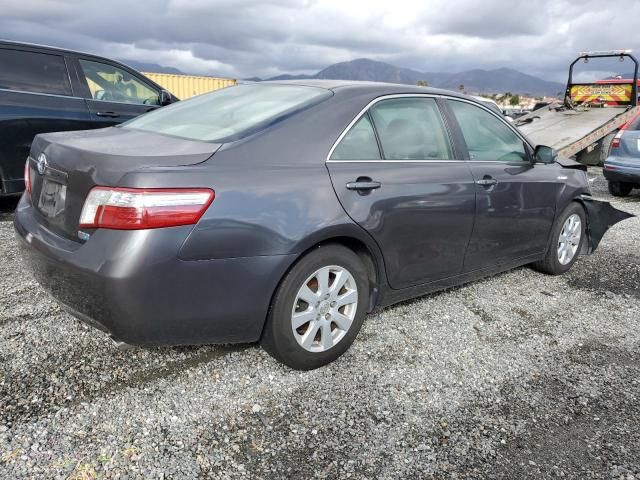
381,88
11,43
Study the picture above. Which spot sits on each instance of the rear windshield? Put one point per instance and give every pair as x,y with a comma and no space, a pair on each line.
230,113
635,124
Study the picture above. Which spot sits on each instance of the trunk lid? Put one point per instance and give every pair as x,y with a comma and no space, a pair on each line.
78,161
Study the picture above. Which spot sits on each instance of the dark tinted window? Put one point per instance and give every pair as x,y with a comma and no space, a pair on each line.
411,129
33,72
359,143
487,137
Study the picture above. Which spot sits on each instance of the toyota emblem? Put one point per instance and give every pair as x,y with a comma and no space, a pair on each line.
42,163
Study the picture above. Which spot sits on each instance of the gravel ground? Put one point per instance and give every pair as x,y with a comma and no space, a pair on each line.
517,376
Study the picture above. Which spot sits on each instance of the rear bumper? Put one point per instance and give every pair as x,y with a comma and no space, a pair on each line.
621,173
132,285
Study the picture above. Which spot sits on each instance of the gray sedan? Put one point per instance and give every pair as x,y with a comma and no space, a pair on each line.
284,212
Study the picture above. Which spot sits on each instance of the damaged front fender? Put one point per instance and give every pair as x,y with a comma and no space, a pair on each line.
600,217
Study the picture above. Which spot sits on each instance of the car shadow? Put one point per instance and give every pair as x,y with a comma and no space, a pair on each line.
7,207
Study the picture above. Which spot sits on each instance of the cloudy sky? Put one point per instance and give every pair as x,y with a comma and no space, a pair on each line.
243,38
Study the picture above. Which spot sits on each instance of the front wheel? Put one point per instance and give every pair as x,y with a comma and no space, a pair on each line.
620,189
318,308
567,236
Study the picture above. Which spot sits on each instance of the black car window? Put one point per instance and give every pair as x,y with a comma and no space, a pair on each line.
487,138
112,84
411,129
359,143
33,72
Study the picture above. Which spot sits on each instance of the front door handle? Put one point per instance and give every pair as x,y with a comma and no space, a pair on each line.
108,114
487,181
363,184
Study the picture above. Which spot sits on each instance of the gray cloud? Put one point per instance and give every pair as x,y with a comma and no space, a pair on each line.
244,38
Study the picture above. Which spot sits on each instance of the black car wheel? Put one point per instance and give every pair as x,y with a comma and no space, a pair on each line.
567,236
620,189
318,308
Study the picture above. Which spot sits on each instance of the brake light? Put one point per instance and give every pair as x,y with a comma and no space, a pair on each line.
27,177
137,209
616,140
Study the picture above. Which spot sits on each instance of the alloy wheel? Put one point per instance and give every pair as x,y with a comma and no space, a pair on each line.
569,239
324,308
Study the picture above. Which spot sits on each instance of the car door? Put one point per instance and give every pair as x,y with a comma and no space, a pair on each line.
36,96
515,198
397,175
114,94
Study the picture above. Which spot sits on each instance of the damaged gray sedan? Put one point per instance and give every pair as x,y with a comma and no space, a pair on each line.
283,212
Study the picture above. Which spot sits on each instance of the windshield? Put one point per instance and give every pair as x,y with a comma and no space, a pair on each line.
230,113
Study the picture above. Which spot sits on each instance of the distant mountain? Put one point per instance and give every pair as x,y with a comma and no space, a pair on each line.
151,67
474,81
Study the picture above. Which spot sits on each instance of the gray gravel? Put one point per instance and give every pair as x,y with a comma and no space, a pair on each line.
520,375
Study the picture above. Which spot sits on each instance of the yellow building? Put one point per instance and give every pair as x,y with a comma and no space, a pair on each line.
185,86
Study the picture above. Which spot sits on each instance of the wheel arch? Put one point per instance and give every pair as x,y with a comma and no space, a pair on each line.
354,239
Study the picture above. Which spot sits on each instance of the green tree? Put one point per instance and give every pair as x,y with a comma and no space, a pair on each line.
515,100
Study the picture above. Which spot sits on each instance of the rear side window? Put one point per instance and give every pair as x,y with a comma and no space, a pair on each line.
487,138
33,72
359,143
230,113
411,129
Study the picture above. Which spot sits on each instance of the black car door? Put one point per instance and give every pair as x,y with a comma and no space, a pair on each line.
515,198
398,176
36,96
114,94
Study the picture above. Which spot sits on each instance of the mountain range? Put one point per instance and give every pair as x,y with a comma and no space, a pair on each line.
474,81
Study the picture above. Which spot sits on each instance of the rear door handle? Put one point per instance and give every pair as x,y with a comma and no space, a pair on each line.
108,114
487,182
363,184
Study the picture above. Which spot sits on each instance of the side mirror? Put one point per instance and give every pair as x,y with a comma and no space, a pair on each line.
164,98
544,154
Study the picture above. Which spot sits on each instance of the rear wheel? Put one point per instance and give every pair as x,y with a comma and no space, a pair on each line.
318,308
567,236
620,189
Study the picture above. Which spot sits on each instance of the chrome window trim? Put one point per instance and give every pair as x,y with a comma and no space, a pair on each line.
28,92
416,95
397,161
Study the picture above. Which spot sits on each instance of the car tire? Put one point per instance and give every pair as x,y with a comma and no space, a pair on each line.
564,246
332,325
620,189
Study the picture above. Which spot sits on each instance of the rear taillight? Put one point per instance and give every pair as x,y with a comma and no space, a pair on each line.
616,140
27,176
136,209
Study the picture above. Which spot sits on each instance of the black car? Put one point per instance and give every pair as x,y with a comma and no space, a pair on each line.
45,89
284,212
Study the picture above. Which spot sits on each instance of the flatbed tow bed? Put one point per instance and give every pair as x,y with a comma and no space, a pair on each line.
585,124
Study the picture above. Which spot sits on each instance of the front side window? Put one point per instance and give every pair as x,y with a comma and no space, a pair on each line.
411,129
359,143
33,72
229,113
112,84
487,138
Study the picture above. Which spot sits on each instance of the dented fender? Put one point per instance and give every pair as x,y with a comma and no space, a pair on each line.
600,217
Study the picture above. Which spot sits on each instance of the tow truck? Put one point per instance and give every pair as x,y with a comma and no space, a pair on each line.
585,124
